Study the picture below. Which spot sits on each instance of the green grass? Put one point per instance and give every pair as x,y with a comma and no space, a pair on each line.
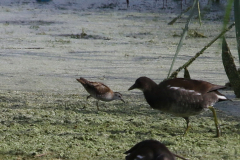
54,126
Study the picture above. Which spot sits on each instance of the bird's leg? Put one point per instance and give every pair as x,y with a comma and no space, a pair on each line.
187,120
88,96
163,4
216,121
97,105
181,4
86,99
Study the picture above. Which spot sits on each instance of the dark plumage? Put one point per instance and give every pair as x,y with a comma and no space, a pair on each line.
149,150
181,97
99,91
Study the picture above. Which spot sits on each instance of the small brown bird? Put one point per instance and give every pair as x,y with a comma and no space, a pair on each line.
150,150
99,91
181,97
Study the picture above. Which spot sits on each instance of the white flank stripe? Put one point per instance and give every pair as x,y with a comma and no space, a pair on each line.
191,91
139,156
174,87
221,97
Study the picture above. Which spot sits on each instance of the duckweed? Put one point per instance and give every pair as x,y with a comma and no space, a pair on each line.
54,126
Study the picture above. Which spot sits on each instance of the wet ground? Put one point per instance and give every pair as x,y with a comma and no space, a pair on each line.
46,46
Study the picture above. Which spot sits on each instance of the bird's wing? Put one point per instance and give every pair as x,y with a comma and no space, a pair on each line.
191,85
94,87
99,87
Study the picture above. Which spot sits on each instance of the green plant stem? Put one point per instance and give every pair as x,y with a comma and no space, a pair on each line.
175,19
175,73
237,26
227,13
199,14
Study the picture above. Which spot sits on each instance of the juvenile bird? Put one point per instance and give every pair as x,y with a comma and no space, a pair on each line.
181,97
99,91
150,150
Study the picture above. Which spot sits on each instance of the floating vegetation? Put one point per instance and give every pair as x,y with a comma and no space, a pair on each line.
84,35
30,22
140,35
195,34
55,126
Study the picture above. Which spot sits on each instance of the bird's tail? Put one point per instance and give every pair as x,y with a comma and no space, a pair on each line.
222,97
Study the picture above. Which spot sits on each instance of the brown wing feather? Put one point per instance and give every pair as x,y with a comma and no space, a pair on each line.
94,87
190,84
99,87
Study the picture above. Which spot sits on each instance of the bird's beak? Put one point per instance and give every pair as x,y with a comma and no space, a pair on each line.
132,87
122,100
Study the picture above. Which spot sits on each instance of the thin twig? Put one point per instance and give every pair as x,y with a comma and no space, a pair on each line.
175,19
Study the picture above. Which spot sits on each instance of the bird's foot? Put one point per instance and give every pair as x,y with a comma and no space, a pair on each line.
185,133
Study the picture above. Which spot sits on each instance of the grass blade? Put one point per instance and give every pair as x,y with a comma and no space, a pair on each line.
199,14
183,34
227,13
230,68
237,24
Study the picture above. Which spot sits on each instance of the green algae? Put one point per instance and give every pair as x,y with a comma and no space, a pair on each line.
54,126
